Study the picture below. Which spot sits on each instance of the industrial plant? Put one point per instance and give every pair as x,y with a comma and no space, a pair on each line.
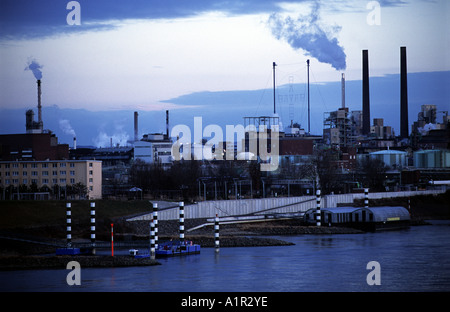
354,151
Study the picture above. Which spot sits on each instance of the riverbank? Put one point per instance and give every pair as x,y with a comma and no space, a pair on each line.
60,262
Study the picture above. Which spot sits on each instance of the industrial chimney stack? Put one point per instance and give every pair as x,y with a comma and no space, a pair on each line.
365,91
40,123
404,133
343,90
136,132
167,124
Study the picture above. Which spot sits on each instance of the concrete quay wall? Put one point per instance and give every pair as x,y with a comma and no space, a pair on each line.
260,206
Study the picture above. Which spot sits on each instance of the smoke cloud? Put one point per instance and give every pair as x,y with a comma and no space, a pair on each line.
34,66
65,126
307,33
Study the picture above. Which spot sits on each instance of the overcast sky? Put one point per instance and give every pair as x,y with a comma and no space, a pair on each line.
136,54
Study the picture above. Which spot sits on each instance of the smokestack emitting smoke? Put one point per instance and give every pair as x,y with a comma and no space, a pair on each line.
34,66
365,91
136,133
39,103
404,133
343,90
307,33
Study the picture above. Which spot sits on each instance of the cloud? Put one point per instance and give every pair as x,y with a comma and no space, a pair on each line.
24,19
308,33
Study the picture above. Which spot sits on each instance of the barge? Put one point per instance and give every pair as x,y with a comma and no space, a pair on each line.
170,249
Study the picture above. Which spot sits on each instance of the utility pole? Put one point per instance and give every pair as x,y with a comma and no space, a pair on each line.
274,109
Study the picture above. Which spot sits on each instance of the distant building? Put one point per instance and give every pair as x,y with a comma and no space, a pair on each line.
154,148
432,159
391,158
32,146
379,130
53,173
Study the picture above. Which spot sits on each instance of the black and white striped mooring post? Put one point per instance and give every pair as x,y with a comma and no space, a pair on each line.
181,221
366,198
93,225
69,224
216,233
155,223
318,223
152,240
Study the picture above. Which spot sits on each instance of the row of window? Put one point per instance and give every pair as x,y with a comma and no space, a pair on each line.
36,173
43,165
43,181
36,181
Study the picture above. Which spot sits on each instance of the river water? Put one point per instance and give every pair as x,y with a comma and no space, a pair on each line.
415,259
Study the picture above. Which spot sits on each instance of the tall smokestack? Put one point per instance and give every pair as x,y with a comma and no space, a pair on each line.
343,90
39,105
167,124
365,91
404,133
136,133
74,143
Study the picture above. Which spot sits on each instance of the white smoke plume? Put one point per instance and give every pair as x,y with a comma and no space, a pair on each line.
308,33
35,67
65,126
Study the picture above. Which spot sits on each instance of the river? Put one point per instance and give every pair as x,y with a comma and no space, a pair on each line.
414,259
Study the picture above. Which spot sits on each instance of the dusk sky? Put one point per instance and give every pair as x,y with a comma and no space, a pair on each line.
139,54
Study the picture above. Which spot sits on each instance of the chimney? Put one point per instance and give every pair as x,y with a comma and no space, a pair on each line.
74,143
136,133
39,106
343,90
365,92
404,133
167,124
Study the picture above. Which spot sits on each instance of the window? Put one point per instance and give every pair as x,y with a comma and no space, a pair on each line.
90,165
72,165
62,172
55,165
34,173
91,172
25,181
62,165
45,181
62,181
15,165
55,181
24,166
72,173
34,165
91,180
45,173
54,172
44,165
72,181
